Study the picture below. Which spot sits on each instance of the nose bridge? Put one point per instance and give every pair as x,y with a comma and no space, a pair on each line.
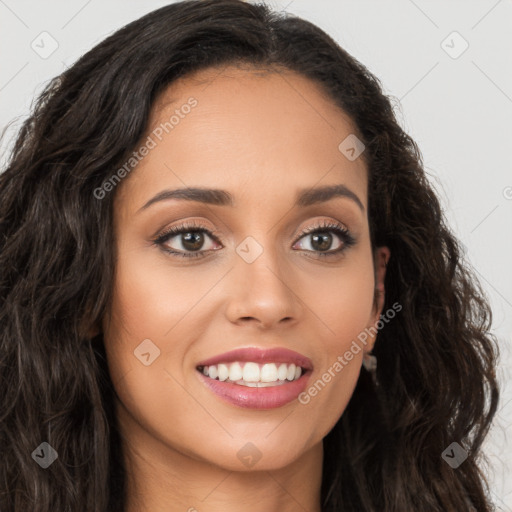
261,288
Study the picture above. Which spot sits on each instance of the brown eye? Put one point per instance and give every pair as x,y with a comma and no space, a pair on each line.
186,241
192,241
320,240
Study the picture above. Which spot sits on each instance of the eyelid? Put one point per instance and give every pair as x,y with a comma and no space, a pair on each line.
186,225
337,227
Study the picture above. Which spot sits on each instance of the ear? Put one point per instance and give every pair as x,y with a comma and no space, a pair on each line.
90,330
93,331
381,258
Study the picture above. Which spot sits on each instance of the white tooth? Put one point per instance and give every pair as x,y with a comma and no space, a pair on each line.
265,384
291,372
212,372
247,373
251,372
223,372
268,373
235,372
259,384
282,371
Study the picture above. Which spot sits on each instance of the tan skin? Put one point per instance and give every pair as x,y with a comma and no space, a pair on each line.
262,137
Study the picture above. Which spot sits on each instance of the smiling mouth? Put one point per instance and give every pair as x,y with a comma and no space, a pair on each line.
252,374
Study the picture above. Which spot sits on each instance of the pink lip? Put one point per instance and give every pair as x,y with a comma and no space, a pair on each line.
258,398
257,355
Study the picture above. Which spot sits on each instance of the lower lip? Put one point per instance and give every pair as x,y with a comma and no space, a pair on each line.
257,398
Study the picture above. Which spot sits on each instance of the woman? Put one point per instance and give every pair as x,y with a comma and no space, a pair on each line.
227,283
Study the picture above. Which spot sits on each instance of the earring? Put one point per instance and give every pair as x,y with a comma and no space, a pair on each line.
370,364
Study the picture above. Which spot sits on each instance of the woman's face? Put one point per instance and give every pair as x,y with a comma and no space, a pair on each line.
245,274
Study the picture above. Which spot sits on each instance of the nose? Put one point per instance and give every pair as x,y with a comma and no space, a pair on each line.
263,294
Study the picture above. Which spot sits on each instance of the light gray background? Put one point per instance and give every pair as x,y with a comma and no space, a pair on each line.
459,110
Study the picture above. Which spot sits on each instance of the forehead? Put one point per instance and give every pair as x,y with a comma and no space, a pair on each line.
253,131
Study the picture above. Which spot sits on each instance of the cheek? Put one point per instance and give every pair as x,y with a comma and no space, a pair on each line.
344,306
343,300
151,300
155,310
173,307
145,341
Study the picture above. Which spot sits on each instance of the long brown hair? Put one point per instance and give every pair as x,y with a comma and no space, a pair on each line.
436,359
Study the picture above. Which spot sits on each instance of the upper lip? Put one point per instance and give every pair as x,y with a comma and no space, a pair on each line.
258,355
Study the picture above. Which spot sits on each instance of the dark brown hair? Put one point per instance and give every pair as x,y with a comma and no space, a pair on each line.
436,359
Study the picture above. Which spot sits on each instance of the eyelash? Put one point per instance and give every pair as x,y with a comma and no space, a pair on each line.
343,233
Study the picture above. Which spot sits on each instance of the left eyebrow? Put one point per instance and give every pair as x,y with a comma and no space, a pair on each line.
304,197
308,197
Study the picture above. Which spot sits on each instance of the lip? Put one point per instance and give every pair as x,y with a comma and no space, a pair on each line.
258,398
257,355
